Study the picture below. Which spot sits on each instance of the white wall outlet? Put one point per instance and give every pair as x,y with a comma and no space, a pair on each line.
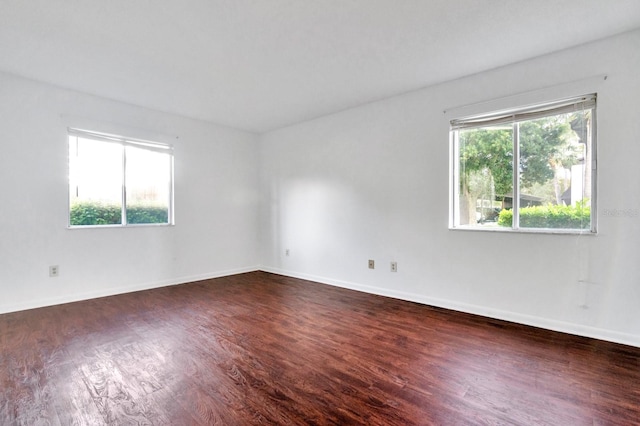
54,270
394,266
372,264
286,252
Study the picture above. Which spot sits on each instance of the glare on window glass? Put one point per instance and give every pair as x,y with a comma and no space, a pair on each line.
95,182
119,182
148,184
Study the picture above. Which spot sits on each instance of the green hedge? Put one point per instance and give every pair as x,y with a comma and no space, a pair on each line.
549,216
147,214
109,214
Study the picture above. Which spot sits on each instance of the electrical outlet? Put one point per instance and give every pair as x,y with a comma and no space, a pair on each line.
394,266
372,264
286,252
54,270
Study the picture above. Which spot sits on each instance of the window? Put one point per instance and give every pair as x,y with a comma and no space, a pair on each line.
529,169
115,181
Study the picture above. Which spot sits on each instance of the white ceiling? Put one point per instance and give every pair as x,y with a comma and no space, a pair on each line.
263,64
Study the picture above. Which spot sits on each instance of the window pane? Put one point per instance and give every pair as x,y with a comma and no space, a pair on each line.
148,175
95,182
486,174
555,183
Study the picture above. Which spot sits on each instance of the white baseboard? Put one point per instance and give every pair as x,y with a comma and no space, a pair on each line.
39,303
549,324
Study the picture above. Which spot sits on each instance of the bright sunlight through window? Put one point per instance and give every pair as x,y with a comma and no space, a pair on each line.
114,181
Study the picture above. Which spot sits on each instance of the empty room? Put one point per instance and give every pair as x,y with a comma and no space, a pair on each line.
371,212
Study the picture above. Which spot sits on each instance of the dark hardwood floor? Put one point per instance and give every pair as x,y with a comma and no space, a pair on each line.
258,348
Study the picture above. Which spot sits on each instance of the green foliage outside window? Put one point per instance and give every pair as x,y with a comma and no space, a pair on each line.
550,216
548,148
86,213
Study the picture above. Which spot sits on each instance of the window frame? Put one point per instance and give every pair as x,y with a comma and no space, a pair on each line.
123,141
514,116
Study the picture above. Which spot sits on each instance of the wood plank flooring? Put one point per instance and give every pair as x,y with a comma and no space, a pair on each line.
259,348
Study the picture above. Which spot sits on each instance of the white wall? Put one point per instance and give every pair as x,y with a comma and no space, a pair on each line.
373,183
215,202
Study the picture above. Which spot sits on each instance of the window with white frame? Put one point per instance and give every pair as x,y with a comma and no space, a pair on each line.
527,169
117,181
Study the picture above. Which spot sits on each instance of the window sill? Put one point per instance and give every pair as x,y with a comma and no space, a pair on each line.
136,225
524,230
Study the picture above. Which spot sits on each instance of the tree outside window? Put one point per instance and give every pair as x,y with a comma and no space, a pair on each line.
548,148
